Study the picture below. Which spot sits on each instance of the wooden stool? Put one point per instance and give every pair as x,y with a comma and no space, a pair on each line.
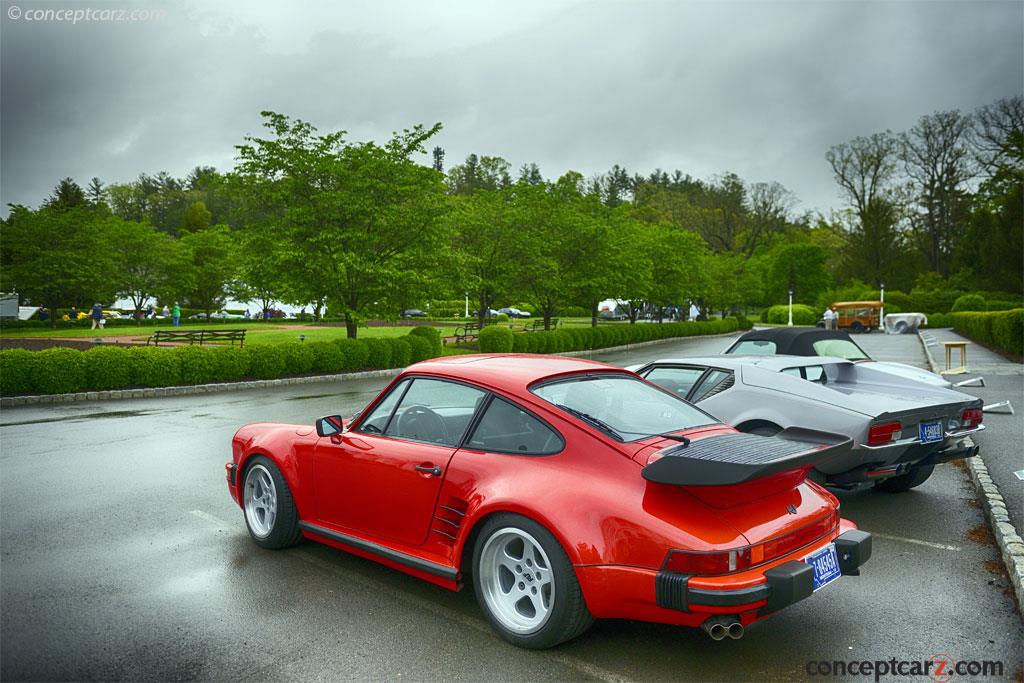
949,346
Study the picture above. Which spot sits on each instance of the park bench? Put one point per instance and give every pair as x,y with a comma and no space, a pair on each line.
467,332
197,336
538,325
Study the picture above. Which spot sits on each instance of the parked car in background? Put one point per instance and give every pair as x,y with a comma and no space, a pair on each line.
564,489
413,313
218,315
797,341
514,312
613,309
901,428
903,323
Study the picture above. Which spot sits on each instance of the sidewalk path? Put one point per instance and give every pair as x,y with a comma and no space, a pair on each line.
1002,444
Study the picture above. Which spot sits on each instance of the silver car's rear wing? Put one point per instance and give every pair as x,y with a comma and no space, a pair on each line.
730,459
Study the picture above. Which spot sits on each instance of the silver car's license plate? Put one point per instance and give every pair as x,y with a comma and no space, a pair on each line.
930,432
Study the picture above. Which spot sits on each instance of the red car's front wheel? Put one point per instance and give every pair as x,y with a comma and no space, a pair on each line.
270,512
526,585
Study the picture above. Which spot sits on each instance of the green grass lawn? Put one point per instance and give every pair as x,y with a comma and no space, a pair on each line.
259,333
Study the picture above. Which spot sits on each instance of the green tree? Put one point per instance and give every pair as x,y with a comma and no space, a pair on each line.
196,217
678,268
147,261
937,158
212,268
798,266
480,228
58,256
353,216
66,195
865,169
479,173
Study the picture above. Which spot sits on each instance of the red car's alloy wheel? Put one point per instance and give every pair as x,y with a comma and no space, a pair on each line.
517,581
260,497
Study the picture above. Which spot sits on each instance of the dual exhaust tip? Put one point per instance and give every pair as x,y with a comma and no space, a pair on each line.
720,627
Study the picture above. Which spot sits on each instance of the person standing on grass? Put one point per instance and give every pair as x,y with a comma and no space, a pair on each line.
96,315
830,318
176,314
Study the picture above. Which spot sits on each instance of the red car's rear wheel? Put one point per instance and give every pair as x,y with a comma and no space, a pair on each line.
526,585
270,512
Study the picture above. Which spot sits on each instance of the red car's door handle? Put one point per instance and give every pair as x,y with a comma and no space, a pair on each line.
429,469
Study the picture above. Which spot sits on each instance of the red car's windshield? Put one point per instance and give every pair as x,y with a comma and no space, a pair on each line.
625,408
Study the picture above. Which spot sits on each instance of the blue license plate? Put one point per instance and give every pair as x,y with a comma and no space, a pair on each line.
826,566
930,432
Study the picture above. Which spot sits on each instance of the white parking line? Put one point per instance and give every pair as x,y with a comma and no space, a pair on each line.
216,521
584,668
940,546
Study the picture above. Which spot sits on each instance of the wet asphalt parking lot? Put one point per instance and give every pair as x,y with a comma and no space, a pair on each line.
122,557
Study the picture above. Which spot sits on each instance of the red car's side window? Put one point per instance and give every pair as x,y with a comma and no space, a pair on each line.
377,421
507,428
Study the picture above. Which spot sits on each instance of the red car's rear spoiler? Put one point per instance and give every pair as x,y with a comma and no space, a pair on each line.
731,459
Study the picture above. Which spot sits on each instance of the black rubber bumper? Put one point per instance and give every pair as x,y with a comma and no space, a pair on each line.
784,585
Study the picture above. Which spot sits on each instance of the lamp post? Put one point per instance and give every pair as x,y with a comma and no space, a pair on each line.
881,312
467,305
790,323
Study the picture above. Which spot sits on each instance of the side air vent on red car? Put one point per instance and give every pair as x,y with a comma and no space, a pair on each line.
448,520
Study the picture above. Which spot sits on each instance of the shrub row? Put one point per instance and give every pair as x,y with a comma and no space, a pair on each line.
779,315
919,300
503,340
1001,329
62,370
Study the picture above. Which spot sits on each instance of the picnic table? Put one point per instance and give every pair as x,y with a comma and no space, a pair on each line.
199,337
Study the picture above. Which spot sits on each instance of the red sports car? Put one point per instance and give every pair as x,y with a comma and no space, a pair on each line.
567,490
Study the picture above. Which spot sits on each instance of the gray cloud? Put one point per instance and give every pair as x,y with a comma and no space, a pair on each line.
758,88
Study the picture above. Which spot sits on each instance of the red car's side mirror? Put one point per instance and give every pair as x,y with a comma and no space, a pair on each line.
330,426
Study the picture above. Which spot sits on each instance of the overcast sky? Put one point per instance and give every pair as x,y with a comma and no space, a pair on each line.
761,89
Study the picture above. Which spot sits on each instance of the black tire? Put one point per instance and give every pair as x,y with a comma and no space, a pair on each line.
904,482
856,327
762,429
284,529
568,617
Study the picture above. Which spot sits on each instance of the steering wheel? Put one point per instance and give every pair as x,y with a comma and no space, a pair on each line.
422,424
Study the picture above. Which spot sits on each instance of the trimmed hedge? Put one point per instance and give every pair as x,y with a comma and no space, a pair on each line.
496,339
1001,329
936,320
433,337
107,367
970,302
802,315
63,370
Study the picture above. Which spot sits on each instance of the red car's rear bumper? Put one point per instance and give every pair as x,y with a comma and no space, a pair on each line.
666,597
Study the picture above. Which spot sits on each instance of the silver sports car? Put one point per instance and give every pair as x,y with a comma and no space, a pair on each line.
801,341
901,428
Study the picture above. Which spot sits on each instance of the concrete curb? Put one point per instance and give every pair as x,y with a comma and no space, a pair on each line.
191,390
1011,545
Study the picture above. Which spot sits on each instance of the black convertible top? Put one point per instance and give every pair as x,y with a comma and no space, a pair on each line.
793,341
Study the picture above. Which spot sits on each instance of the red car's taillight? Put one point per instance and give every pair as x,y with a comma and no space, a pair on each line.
971,417
708,564
887,432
